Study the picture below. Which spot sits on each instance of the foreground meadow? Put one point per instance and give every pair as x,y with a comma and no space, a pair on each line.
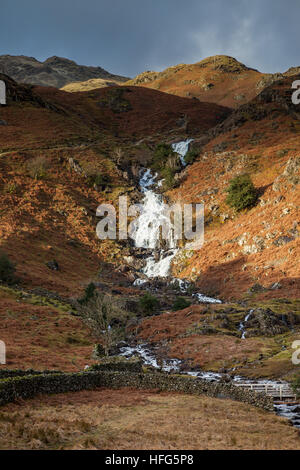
131,419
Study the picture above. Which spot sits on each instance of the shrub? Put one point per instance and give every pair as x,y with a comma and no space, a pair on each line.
88,293
168,175
148,303
10,188
180,303
160,157
191,156
37,167
7,269
99,179
241,192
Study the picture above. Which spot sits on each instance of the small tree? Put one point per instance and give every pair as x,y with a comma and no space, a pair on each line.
148,303
98,314
161,154
241,192
88,293
168,175
37,167
118,155
191,156
7,269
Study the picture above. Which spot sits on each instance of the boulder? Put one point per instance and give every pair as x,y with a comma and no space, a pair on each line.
283,240
290,176
53,265
265,322
118,363
256,288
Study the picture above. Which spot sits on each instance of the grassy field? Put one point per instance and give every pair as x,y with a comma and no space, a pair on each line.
131,419
42,335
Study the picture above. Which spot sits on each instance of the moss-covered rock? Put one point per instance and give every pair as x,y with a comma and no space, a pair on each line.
118,363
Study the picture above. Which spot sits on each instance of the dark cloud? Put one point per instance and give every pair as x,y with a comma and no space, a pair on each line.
128,37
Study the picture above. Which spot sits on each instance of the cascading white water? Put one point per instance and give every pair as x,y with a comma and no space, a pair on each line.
154,218
290,411
159,268
148,226
147,180
182,148
242,326
146,235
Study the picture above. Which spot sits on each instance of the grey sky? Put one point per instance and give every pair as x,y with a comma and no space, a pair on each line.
130,36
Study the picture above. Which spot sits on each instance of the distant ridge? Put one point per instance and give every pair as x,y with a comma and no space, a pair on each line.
54,71
218,79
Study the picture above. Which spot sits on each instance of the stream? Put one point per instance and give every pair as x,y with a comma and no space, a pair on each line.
146,235
291,411
243,324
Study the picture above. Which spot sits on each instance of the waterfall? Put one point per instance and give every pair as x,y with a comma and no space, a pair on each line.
242,326
182,148
159,268
148,226
154,219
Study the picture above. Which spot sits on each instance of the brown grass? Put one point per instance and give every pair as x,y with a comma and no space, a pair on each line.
130,419
229,88
223,266
180,335
42,337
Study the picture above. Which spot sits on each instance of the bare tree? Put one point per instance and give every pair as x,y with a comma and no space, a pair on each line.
98,314
118,155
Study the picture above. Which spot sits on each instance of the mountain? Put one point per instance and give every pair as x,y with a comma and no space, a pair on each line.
250,257
62,154
261,137
218,79
55,71
86,127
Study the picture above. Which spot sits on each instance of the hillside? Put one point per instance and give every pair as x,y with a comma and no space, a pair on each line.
251,256
53,146
218,79
260,244
62,154
54,71
42,116
91,84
